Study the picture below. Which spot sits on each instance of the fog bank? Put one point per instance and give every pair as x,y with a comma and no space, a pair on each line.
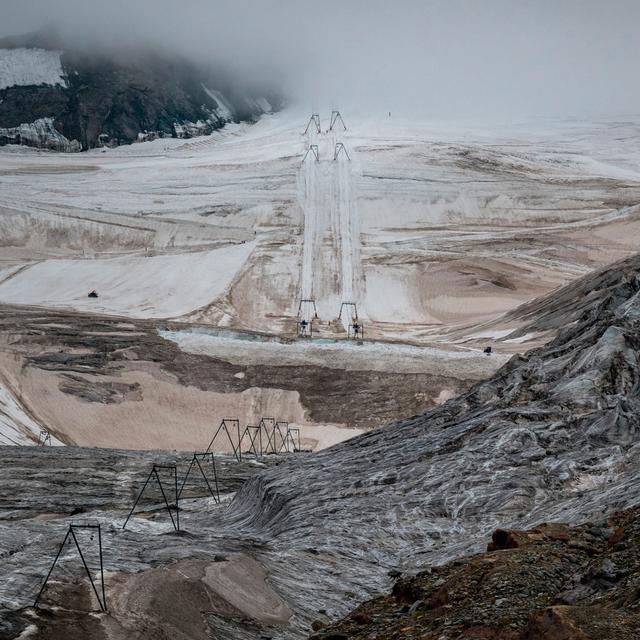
427,58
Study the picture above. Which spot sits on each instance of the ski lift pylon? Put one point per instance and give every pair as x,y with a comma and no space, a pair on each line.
340,148
335,117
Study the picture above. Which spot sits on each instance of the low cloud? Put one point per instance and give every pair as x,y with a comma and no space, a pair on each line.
428,58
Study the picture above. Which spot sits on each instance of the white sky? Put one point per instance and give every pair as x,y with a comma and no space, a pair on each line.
477,59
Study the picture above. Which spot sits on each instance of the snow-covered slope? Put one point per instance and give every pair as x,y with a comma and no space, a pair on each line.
154,287
427,229
24,67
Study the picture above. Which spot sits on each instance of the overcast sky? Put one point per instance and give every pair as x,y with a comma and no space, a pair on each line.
434,58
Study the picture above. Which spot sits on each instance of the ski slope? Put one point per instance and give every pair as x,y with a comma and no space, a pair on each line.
434,231
331,267
166,286
24,66
429,228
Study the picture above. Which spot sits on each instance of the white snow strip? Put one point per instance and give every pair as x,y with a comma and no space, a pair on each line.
495,334
224,110
16,426
24,67
138,287
309,200
525,338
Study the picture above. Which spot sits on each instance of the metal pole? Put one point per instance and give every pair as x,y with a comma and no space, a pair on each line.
175,475
215,475
188,472
215,436
35,604
139,496
86,568
104,596
205,478
165,498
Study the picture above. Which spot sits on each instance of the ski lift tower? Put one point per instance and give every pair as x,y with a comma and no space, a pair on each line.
281,429
313,150
196,461
173,470
355,329
340,148
335,118
268,425
314,123
307,313
254,435
293,434
91,528
227,427
350,309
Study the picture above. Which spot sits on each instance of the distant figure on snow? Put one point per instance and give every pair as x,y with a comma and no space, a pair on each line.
93,294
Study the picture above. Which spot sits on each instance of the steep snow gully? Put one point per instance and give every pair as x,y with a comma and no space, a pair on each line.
553,436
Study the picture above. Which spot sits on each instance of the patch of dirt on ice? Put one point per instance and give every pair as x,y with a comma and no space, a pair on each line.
48,169
173,601
243,582
167,602
105,392
97,381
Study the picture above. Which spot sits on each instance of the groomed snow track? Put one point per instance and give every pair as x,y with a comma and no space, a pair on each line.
331,269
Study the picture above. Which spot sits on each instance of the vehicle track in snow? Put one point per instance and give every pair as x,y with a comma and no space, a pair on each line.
331,271
345,173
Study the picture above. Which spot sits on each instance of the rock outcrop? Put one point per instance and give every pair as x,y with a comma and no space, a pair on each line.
551,583
553,436
53,96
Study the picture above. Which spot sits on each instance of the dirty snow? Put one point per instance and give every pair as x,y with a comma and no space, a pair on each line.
16,427
430,228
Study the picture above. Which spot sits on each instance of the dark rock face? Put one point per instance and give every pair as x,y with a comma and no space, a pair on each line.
89,354
117,100
552,436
